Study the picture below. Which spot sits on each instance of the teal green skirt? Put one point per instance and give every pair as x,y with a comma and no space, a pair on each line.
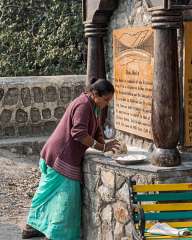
56,206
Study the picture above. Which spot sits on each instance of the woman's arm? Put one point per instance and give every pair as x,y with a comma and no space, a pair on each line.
99,135
89,141
105,147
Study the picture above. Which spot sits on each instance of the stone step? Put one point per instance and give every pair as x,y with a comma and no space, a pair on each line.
24,145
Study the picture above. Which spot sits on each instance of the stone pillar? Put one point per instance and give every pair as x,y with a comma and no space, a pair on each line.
95,57
96,14
165,99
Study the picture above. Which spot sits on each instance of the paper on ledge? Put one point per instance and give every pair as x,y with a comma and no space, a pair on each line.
165,229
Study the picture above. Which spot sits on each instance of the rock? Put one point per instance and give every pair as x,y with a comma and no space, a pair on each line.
128,230
108,179
119,181
107,232
13,150
123,193
119,231
106,214
120,212
106,194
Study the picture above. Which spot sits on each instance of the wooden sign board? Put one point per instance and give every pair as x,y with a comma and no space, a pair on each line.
188,82
133,72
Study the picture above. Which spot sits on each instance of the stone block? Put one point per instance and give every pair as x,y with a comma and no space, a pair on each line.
1,93
37,94
36,129
128,229
11,96
91,181
9,131
65,94
27,150
5,116
107,214
123,193
118,231
91,166
119,181
24,131
107,232
147,145
90,232
21,116
95,203
49,127
35,115
92,208
50,94
120,212
46,113
106,194
26,97
137,142
108,179
58,112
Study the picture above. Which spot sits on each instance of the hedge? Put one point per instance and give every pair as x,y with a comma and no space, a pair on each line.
41,37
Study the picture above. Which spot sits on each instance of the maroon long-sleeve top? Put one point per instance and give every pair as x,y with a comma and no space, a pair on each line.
63,151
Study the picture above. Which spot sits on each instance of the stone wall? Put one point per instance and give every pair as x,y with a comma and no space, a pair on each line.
32,106
106,195
129,13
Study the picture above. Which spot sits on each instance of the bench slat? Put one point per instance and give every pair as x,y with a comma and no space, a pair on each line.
162,187
164,197
166,215
167,207
153,237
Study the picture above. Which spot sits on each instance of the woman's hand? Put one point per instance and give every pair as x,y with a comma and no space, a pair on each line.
112,145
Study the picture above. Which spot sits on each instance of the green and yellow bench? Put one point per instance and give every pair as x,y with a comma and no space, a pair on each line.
151,203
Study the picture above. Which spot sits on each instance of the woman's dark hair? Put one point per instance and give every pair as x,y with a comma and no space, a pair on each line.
101,87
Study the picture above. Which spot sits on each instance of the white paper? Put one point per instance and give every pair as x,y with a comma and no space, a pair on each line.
165,229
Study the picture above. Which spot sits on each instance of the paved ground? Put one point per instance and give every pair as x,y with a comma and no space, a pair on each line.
11,231
19,177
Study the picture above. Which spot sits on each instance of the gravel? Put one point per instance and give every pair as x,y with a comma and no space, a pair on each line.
19,178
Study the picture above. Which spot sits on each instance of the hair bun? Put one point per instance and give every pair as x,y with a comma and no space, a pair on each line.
93,80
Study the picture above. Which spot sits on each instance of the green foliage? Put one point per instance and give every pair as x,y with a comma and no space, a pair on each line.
41,37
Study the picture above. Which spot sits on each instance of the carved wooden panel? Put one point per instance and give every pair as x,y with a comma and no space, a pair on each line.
133,72
188,82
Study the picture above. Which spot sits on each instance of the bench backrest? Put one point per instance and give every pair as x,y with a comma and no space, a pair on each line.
170,203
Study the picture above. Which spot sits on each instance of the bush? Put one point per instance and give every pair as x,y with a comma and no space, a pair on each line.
41,37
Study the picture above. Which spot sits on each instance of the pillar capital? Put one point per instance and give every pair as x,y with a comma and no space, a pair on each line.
95,29
167,18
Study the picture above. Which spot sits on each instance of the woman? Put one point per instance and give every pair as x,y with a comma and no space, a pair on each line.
56,206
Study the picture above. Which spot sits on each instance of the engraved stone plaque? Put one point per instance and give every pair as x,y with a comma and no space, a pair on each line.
133,72
188,82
